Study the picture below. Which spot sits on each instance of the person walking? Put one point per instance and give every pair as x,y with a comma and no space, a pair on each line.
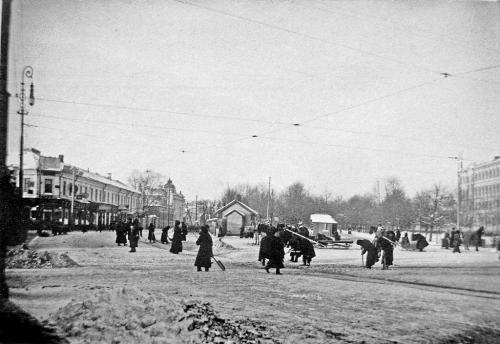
457,241
164,235
204,256
176,239
264,249
121,234
307,249
133,236
276,252
151,233
184,231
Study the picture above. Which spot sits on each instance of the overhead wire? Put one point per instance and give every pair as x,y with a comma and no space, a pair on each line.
308,36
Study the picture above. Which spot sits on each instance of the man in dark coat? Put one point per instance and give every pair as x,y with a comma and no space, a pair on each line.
121,233
369,248
177,239
265,248
164,235
151,233
294,244
307,249
421,241
457,241
476,238
276,252
184,231
387,246
133,236
204,256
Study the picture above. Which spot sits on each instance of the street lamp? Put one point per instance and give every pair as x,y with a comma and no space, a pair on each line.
27,73
459,168
75,178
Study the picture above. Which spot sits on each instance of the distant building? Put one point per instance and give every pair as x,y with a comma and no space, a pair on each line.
51,186
236,215
168,206
480,195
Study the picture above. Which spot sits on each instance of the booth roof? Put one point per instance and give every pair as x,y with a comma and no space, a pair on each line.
322,218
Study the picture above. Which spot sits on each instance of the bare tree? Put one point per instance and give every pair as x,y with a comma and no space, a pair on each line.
151,186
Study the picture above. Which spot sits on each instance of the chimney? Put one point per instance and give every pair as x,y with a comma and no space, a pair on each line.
109,176
61,158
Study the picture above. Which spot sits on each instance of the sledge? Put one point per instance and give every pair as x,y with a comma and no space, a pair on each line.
330,243
219,263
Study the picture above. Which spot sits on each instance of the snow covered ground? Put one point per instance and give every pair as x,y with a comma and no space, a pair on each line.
434,296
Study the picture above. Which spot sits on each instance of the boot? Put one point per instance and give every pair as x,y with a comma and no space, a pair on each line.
198,268
278,271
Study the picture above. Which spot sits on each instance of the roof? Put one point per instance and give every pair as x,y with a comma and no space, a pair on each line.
322,218
48,163
233,202
97,177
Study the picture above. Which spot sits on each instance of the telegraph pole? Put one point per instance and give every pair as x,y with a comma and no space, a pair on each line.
268,198
4,118
196,210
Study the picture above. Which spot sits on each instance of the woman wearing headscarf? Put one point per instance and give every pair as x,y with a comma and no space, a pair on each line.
177,239
204,256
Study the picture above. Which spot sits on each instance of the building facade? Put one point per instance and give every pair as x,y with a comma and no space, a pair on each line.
479,199
164,206
53,190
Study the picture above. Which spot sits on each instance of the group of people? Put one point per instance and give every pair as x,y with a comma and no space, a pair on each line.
456,238
382,246
274,241
131,230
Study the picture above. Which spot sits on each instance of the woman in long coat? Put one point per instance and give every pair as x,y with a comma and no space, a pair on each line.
204,257
276,252
370,249
151,233
164,235
177,239
307,250
121,233
133,236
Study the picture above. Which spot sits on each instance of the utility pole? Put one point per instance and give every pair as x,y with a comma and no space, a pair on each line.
459,169
4,118
73,189
28,73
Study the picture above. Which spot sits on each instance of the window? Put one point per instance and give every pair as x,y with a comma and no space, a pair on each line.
28,186
48,186
70,189
64,188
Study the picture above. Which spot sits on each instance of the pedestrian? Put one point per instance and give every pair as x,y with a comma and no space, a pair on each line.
121,231
133,236
164,235
184,231
140,229
204,256
457,241
398,234
276,252
446,241
367,247
177,238
387,246
151,233
307,249
264,250
476,238
405,241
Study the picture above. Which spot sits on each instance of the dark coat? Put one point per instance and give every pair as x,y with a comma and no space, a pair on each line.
133,236
265,248
276,252
307,248
164,235
370,249
388,249
121,233
151,233
177,240
204,257
184,231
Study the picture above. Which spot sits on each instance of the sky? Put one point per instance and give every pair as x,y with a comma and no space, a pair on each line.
334,94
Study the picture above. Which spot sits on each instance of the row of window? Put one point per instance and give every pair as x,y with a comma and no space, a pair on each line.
491,172
93,194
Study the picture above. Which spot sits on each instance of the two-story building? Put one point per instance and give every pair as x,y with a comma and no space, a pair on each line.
54,190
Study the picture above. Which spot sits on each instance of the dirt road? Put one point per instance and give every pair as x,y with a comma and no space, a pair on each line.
428,297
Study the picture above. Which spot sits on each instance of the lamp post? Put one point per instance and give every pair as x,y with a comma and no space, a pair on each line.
27,73
75,177
459,169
